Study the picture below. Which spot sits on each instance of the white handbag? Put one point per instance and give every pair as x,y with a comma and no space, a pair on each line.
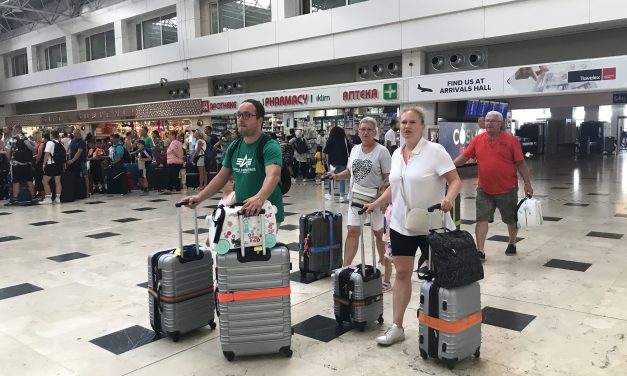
362,195
529,213
416,219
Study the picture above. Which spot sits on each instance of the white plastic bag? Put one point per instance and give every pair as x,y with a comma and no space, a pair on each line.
529,213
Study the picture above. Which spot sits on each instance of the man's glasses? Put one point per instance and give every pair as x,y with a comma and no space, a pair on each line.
245,115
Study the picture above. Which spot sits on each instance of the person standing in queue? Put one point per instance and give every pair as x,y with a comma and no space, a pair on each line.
499,156
254,184
176,156
368,170
420,171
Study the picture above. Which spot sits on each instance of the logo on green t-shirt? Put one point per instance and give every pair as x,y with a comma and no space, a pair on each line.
244,162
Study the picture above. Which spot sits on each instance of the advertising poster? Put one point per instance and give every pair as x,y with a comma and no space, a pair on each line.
455,137
583,75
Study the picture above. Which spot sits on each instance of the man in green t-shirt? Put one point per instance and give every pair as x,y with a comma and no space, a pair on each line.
144,136
254,184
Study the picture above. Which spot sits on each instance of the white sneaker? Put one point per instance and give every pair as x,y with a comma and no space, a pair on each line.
392,335
328,196
46,200
342,198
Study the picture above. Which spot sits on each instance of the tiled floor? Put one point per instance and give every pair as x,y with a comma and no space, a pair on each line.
73,298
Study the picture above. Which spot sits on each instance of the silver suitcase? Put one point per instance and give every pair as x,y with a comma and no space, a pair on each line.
254,300
180,287
449,321
358,293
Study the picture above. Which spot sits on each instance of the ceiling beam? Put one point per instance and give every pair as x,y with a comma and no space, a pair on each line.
26,20
28,9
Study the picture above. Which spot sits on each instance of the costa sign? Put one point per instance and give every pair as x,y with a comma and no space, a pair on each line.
208,106
286,100
355,95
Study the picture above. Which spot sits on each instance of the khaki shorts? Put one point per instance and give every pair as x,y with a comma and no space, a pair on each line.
506,203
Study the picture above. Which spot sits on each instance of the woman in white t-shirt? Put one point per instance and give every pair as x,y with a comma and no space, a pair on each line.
420,171
368,169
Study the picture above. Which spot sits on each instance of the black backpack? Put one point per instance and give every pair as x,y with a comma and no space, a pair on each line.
59,153
21,153
286,178
301,145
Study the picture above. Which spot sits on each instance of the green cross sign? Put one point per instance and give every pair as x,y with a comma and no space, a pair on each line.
390,91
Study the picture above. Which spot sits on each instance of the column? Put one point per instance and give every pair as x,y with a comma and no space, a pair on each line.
592,113
199,88
84,101
31,57
71,49
120,30
6,111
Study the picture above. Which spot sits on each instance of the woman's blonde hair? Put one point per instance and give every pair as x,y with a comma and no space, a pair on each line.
201,134
37,136
418,111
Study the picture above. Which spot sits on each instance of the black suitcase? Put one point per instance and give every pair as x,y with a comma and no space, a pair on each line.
157,177
68,184
116,180
192,177
80,190
320,241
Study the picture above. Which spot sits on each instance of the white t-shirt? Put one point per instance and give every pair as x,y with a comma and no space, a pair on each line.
391,137
423,183
66,141
322,141
367,169
50,149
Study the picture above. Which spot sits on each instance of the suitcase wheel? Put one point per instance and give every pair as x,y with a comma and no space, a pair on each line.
423,354
286,351
339,321
212,324
229,355
380,319
478,352
449,363
361,326
175,336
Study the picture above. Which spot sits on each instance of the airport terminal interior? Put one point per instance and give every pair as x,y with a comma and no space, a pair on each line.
76,294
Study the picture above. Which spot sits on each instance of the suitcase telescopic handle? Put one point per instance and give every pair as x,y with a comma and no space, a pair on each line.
361,213
179,205
322,180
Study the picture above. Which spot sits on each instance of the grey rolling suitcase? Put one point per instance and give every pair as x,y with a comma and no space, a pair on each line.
358,294
449,320
320,241
253,300
180,287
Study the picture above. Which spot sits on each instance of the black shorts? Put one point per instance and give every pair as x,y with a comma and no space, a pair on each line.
22,173
54,169
403,245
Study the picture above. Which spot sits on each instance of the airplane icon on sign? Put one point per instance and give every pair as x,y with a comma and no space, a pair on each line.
424,89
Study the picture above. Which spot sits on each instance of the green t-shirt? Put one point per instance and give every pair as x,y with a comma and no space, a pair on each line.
148,141
249,176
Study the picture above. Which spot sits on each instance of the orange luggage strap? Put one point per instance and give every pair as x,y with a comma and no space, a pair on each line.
225,297
450,327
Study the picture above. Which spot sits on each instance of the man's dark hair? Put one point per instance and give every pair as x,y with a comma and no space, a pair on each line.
115,136
273,136
54,134
46,136
393,122
261,111
145,128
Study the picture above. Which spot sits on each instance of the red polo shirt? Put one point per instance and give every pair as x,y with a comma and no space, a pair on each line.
496,160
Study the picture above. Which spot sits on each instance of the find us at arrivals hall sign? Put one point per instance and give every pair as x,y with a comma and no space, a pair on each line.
553,78
378,93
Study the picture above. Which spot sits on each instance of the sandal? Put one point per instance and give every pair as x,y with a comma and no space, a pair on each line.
387,286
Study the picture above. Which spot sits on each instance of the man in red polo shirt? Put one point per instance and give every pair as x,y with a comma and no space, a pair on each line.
499,156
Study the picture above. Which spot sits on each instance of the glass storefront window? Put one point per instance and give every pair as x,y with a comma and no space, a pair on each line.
19,65
55,56
158,31
99,46
318,5
226,15
257,12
